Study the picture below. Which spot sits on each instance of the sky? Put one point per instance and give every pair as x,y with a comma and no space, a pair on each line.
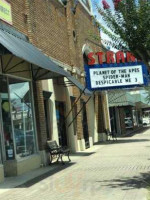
99,2
98,17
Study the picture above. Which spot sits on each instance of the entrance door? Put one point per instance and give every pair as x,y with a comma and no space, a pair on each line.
113,119
60,115
85,125
46,108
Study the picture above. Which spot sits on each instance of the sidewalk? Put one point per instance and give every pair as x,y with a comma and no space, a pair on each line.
113,171
43,172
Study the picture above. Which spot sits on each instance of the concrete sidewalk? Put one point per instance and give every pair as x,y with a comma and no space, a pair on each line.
43,172
115,171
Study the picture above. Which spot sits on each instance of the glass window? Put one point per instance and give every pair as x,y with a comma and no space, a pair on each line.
22,117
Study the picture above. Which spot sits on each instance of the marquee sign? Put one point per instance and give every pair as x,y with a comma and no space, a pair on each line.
116,75
111,57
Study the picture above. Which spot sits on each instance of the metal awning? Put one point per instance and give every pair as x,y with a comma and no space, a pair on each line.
122,98
42,66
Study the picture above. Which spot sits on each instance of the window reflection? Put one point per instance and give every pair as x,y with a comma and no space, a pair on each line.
22,118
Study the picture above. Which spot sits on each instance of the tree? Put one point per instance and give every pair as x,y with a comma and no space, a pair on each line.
128,26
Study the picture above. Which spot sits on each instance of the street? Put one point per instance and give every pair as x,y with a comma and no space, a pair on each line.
118,170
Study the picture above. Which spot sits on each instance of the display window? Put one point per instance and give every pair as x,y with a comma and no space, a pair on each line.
18,131
22,117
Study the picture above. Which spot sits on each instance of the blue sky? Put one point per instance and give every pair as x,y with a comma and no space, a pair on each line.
98,17
99,2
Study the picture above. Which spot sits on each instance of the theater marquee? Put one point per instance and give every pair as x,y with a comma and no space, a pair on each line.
111,76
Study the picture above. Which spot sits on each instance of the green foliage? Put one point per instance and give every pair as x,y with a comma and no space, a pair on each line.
128,27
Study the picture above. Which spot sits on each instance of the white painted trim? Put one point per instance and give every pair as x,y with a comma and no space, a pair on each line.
91,7
86,47
88,11
91,141
81,145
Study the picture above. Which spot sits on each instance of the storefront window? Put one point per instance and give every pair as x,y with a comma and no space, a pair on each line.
22,117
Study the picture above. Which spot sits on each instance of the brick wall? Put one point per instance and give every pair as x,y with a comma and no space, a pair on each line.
40,115
52,28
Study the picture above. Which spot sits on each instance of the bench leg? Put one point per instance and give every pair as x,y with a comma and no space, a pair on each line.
62,159
68,156
58,157
50,159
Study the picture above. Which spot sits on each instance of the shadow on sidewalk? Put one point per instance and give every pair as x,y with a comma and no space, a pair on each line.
137,182
57,168
82,154
135,132
119,141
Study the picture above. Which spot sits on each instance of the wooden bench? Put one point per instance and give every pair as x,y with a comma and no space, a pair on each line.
57,152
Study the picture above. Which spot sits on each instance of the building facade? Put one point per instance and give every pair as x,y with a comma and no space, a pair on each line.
38,104
125,110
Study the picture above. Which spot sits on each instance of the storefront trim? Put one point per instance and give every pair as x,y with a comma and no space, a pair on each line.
12,128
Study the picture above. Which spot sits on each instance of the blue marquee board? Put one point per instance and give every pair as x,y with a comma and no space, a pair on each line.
140,73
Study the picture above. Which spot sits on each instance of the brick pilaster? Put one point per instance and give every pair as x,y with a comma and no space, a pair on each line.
40,114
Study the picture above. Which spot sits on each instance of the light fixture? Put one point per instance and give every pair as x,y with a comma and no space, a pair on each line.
74,70
83,74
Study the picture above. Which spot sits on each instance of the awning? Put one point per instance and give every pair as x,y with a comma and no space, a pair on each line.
121,98
42,66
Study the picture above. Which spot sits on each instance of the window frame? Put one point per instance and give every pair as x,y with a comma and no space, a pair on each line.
33,115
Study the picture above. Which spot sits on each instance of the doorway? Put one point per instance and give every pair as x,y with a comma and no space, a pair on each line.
85,124
60,115
113,119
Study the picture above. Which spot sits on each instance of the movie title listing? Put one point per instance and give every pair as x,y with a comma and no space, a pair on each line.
118,76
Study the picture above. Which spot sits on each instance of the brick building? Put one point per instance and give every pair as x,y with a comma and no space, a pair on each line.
41,82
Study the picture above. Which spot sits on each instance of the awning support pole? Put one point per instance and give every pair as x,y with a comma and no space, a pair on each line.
80,110
75,103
